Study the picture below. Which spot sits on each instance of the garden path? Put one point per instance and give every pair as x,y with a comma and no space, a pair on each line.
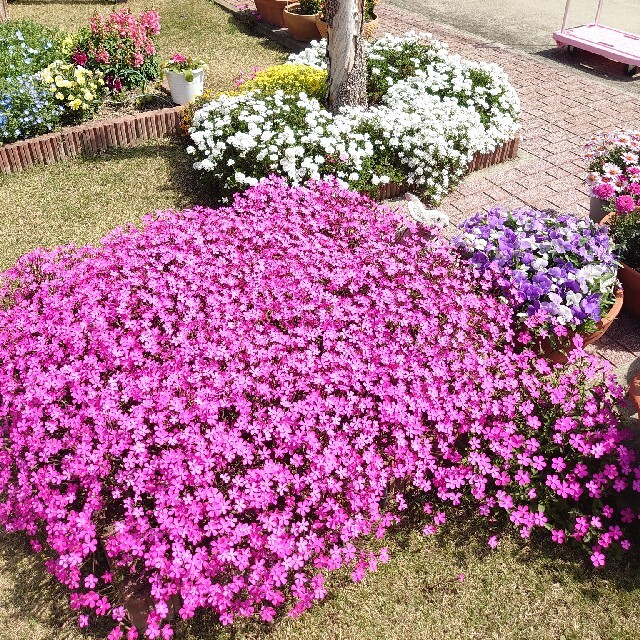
560,109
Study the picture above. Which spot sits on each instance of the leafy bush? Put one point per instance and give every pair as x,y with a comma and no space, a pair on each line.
293,79
26,109
225,397
27,47
122,47
76,90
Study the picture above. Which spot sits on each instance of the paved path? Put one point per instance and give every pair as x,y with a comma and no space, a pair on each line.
559,110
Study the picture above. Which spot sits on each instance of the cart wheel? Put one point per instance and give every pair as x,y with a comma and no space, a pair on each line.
630,69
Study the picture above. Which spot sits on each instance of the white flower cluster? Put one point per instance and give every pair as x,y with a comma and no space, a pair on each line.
434,111
244,138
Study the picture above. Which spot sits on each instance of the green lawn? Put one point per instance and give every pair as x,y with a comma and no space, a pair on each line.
519,591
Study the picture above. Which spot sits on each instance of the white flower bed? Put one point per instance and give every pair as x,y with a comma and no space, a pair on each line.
431,112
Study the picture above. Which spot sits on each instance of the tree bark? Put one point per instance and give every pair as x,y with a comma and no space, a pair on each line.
345,53
4,10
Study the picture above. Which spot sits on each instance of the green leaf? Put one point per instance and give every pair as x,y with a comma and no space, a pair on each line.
188,75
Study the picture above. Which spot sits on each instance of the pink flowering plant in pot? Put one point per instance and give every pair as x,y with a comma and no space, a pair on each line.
614,171
227,401
122,46
185,76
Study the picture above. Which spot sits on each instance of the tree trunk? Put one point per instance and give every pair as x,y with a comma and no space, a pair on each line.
345,53
4,10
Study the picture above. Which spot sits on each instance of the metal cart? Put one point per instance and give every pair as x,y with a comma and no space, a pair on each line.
613,44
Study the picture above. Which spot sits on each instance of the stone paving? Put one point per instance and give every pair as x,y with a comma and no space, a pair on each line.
560,110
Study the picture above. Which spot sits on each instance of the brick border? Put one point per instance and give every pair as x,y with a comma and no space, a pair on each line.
90,139
502,153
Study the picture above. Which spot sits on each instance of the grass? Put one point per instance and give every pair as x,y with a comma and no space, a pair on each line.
520,591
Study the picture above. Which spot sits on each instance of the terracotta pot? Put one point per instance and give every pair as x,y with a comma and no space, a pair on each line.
272,11
558,355
634,393
370,27
630,280
302,27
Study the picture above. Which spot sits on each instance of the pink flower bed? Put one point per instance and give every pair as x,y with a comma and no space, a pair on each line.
225,396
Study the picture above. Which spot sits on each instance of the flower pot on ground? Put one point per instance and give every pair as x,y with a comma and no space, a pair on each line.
634,393
625,230
596,209
300,20
271,11
370,20
185,76
558,351
370,26
613,169
557,272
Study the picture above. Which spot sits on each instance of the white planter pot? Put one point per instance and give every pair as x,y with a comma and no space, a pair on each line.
183,92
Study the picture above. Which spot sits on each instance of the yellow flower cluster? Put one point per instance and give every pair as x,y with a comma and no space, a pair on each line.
76,89
290,78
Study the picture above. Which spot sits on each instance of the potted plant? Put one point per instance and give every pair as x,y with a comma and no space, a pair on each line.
300,19
185,76
271,11
613,168
557,271
370,20
624,227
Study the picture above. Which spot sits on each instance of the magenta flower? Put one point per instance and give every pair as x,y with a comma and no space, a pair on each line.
604,191
249,394
598,559
625,204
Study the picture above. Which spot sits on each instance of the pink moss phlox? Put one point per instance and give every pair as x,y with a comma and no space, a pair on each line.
225,397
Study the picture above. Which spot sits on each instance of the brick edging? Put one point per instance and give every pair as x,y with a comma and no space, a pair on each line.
90,138
502,153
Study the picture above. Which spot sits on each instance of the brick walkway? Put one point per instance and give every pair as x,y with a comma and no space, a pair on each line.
560,109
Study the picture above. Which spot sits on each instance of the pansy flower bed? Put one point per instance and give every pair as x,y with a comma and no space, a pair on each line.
222,400
429,112
559,270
